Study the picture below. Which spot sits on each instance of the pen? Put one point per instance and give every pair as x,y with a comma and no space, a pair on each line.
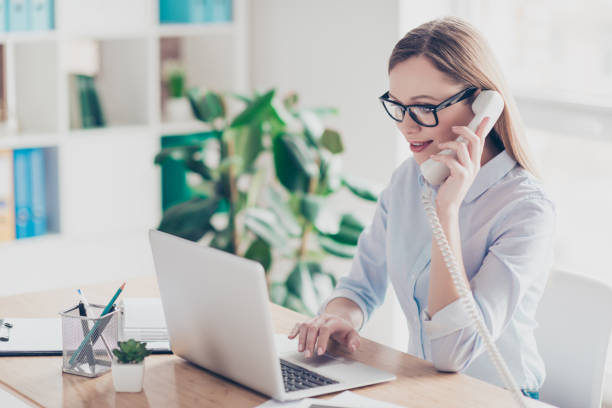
85,303
95,326
85,327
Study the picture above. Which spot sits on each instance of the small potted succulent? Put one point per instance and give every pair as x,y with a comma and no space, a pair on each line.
176,107
128,366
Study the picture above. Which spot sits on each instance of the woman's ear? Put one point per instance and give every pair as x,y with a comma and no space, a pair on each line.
472,98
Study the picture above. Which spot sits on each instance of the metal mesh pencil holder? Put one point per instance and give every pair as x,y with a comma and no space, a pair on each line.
87,342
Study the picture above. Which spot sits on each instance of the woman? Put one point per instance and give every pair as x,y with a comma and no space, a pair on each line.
498,221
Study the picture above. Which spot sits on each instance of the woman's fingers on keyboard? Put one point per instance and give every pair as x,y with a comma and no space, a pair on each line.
324,333
294,332
311,340
353,340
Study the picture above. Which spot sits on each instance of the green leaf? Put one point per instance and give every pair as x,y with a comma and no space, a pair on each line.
331,177
280,113
243,98
247,145
189,156
316,210
223,240
260,251
361,188
313,127
259,108
332,141
255,187
294,162
324,111
291,100
300,284
263,223
335,248
278,293
283,212
206,105
191,219
350,229
294,303
308,282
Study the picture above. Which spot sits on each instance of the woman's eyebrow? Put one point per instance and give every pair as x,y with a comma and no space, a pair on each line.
415,97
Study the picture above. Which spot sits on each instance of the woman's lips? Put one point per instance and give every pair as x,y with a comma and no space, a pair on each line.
419,147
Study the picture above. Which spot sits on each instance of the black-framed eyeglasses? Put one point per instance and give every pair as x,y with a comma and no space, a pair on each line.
423,114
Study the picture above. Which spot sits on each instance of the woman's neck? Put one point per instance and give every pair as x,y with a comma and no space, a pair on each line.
490,150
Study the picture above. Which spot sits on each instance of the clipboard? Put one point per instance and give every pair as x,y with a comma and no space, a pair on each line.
42,337
33,337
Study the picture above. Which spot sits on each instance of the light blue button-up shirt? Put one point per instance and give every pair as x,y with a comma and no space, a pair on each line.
507,225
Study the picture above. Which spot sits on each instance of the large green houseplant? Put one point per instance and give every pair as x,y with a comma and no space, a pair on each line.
266,177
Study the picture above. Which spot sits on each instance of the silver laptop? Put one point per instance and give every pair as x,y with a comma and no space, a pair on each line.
218,316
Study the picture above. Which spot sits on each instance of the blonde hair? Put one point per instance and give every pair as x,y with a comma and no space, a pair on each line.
460,51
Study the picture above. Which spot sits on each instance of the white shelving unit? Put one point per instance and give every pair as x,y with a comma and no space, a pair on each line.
108,188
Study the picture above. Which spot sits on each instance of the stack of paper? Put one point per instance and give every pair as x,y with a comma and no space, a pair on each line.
143,320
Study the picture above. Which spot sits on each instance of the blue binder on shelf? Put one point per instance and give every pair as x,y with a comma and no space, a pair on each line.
200,11
18,15
174,11
24,225
42,16
221,10
38,190
3,15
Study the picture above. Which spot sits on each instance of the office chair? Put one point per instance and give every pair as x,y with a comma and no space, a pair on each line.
573,335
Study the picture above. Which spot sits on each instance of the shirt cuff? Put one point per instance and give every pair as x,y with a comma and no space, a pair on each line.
449,319
349,294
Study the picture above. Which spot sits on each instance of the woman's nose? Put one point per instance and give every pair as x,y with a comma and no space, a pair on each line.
408,125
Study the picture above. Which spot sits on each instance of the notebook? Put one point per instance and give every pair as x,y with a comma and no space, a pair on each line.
143,320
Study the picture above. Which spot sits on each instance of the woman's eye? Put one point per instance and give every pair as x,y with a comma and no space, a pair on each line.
424,109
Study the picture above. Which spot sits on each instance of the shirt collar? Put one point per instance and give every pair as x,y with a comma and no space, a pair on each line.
489,174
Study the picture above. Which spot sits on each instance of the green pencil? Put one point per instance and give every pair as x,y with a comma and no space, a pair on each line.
95,326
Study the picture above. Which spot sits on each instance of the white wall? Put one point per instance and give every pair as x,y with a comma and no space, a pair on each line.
335,53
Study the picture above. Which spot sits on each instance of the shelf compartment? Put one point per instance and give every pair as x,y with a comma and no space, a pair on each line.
34,71
115,70
108,18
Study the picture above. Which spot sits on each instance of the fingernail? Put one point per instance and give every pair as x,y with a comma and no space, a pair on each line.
353,348
320,350
301,347
307,353
455,127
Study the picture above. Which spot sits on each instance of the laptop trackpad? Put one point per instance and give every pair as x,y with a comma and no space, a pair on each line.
287,349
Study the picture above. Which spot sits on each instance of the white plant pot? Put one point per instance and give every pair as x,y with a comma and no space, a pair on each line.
178,110
128,377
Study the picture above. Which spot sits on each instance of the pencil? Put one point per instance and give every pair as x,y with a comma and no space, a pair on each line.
95,327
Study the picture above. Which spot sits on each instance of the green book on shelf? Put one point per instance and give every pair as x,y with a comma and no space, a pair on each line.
87,119
90,107
94,103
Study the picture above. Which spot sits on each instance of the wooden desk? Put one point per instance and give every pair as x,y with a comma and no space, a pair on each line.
172,382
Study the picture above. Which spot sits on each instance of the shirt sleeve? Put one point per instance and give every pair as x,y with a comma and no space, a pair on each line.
521,251
366,283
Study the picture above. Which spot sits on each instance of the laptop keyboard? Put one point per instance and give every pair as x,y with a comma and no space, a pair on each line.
298,378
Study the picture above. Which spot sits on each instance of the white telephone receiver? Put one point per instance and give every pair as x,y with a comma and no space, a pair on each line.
487,103
491,104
